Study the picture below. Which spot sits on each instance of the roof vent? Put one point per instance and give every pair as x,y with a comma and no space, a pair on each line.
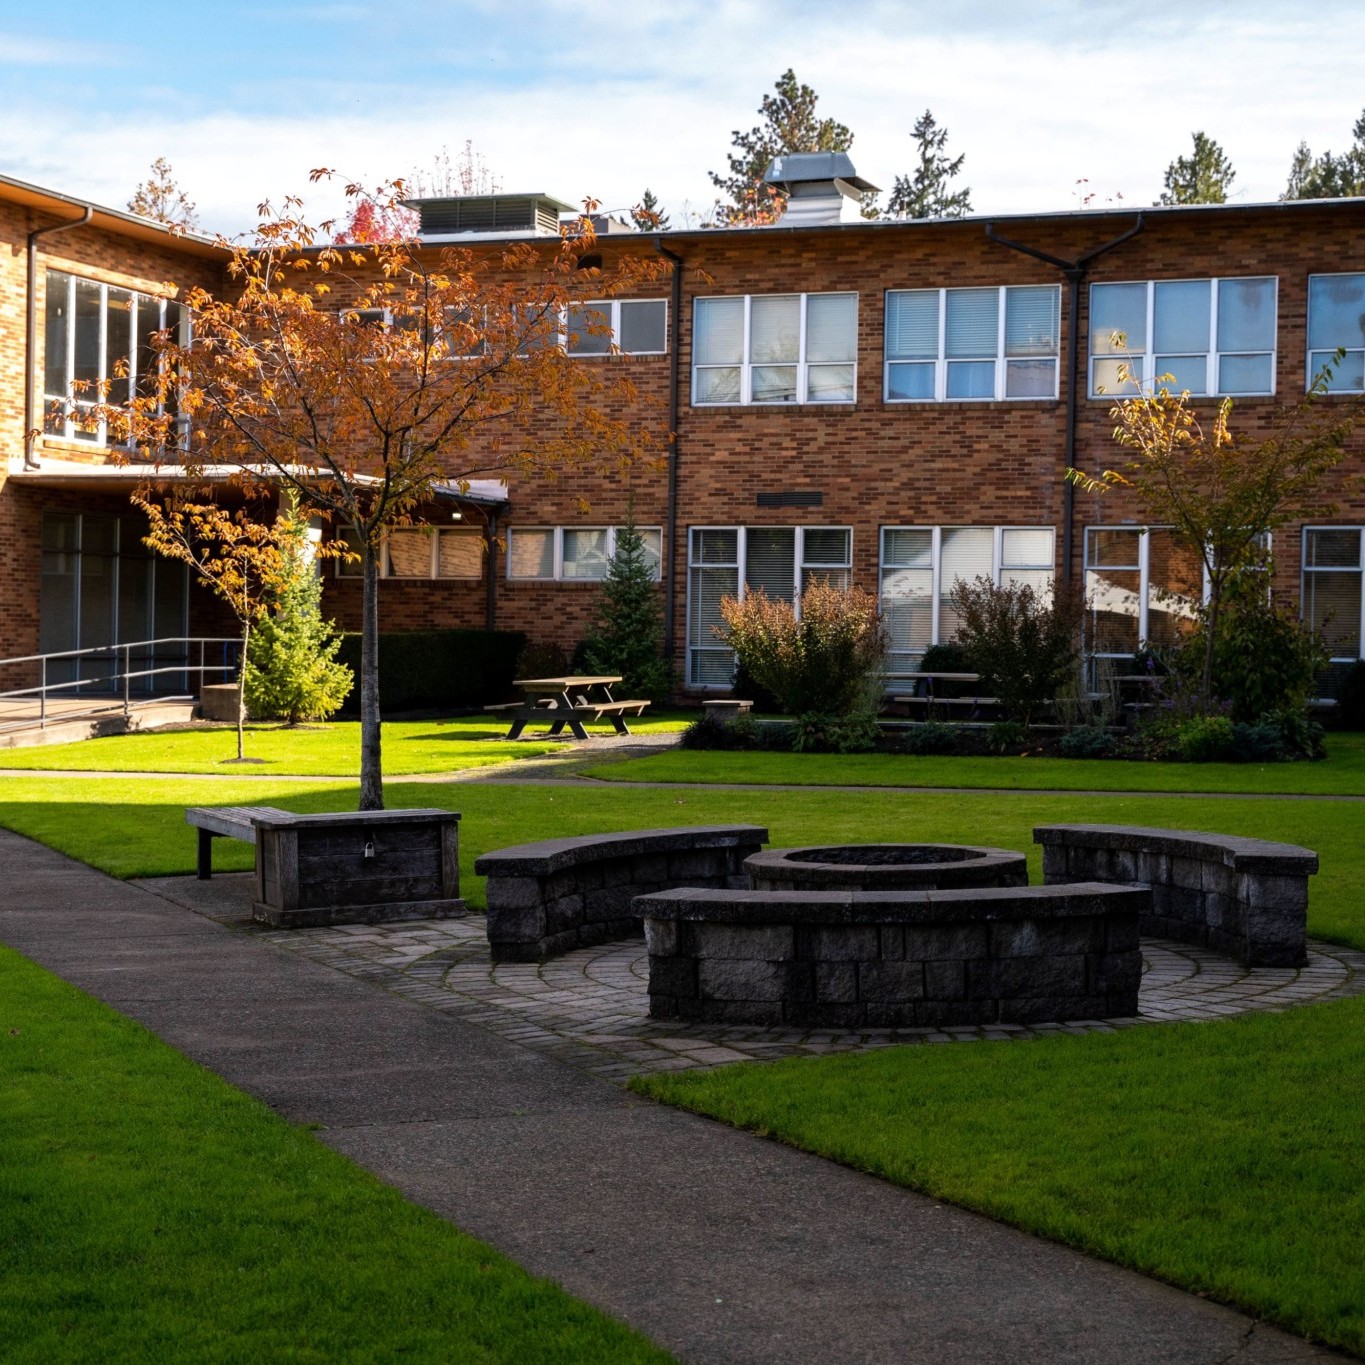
464,217
821,187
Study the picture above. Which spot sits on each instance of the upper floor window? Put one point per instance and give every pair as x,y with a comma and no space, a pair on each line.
1208,336
572,553
949,344
775,348
1336,320
98,348
628,326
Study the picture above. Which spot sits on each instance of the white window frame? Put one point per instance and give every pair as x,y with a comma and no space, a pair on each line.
1000,570
71,429
1305,570
351,569
746,365
1314,368
1145,372
611,317
800,567
557,532
942,361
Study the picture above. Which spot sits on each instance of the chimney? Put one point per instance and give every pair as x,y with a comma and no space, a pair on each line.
821,187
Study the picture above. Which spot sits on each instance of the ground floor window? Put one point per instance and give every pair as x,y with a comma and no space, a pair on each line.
1333,567
731,561
419,552
572,553
921,564
102,586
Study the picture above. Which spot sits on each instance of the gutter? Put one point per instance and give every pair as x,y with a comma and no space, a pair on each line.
31,329
671,559
1075,273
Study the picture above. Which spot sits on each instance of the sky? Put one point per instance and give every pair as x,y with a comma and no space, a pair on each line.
1049,100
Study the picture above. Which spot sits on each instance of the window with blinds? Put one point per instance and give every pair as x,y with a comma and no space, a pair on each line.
775,348
1333,603
1199,336
574,553
956,345
421,552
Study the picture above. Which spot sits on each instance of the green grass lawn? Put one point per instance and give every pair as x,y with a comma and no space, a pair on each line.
1228,1158
1341,774
153,1213
331,750
131,827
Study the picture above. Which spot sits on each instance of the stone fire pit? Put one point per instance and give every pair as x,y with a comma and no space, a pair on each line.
885,867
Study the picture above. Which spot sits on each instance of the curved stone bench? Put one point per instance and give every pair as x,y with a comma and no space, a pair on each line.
550,897
894,959
1244,897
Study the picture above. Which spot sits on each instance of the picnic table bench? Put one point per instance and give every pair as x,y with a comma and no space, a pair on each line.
925,696
566,702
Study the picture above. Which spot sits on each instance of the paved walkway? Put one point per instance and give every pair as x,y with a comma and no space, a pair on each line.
719,1245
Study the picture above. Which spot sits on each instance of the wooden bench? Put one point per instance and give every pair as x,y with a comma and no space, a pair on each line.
616,711
223,822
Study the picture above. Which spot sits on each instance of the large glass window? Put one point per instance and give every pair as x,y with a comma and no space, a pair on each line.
775,348
1336,320
920,565
1333,568
97,341
732,561
573,553
628,326
1204,336
1143,587
956,344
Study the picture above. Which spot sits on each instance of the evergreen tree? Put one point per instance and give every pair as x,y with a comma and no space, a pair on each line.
291,672
789,125
1202,178
161,199
628,635
927,192
647,216
1328,176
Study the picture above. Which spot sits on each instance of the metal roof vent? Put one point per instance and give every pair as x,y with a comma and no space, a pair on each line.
821,187
485,216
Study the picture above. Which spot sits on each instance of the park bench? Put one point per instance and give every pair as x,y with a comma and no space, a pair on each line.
223,822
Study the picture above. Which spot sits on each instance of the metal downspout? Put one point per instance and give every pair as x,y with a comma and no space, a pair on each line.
1075,273
31,329
671,556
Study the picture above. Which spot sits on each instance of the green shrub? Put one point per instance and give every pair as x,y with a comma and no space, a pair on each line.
1006,735
1087,741
931,737
824,663
1024,646
446,670
949,657
710,731
1204,739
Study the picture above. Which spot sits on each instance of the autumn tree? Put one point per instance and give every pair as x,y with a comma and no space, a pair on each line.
927,192
160,198
789,124
365,376
1203,177
242,559
1328,176
1222,491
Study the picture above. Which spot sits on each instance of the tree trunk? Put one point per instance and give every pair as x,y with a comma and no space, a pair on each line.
241,690
371,772
1210,639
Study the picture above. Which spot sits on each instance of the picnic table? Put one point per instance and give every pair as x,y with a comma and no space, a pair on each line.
563,703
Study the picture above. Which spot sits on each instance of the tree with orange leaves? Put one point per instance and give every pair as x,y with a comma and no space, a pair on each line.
363,376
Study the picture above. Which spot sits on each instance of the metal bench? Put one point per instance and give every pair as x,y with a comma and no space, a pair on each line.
223,822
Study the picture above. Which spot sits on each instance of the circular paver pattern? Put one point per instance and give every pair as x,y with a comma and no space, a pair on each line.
590,1008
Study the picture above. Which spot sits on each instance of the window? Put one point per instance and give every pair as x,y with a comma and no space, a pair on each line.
944,345
775,348
1142,587
730,561
631,326
89,329
422,552
572,553
1336,319
1209,336
1333,566
921,564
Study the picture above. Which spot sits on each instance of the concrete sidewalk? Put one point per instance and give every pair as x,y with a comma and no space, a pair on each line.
718,1245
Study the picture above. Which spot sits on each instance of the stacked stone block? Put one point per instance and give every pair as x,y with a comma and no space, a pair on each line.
1244,897
829,959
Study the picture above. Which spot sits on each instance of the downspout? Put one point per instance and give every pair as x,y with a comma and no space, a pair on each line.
1075,273
491,605
31,329
671,559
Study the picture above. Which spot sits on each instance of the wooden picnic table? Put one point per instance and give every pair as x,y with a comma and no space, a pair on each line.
562,703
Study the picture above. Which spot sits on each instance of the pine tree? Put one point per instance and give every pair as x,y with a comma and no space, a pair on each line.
647,216
291,672
1328,176
928,192
1201,178
628,634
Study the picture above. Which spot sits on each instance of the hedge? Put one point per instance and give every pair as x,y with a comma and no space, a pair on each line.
447,670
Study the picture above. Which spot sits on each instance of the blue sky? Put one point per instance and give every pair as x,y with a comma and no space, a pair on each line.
604,97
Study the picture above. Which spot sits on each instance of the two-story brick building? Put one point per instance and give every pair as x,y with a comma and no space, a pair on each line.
888,404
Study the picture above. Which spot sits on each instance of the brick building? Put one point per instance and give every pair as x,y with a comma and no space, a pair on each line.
886,404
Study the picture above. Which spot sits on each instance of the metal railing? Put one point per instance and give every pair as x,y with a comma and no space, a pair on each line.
129,662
